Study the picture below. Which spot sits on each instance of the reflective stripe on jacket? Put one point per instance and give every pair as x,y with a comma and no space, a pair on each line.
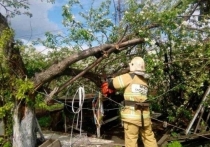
135,89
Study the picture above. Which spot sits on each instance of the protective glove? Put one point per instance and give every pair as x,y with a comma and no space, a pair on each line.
105,90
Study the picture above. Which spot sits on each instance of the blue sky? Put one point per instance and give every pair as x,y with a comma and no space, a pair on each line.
54,14
47,17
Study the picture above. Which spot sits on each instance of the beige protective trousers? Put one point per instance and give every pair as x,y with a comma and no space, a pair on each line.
132,133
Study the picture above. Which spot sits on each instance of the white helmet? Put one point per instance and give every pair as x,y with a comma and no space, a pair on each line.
137,64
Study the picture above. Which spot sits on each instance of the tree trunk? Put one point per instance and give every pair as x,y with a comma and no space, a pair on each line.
24,127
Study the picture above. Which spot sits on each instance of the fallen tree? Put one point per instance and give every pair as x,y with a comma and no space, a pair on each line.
169,66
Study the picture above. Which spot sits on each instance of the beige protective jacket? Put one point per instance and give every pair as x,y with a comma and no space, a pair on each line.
135,89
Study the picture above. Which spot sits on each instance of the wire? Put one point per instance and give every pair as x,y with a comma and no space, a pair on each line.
180,128
31,31
39,34
151,117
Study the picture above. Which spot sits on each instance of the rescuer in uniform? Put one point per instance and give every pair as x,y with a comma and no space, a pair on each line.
135,114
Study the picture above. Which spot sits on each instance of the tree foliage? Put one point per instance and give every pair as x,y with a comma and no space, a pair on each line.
175,46
171,35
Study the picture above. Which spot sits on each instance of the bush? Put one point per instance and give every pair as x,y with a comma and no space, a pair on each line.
45,121
174,144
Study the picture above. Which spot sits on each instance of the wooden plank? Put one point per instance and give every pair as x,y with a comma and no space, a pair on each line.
111,119
2,131
46,143
98,131
198,126
182,138
56,143
207,119
51,143
163,139
205,97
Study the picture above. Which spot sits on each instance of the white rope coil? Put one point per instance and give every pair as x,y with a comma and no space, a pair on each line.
81,93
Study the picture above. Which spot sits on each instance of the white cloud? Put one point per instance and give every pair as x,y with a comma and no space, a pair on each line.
39,48
35,27
42,49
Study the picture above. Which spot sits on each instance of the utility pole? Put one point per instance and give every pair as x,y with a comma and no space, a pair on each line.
119,10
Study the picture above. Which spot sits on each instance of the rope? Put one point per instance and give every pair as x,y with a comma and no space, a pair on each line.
98,112
81,99
81,93
94,102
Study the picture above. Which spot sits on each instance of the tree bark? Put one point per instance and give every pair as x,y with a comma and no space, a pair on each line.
24,129
24,120
56,69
